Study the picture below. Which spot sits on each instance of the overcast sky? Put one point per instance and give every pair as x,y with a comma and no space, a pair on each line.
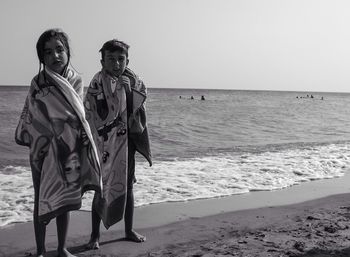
295,45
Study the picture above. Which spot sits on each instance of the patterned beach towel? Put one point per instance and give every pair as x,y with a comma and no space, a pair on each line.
137,121
106,111
63,156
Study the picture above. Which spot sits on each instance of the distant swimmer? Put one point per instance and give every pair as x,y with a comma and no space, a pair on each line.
192,97
202,97
180,96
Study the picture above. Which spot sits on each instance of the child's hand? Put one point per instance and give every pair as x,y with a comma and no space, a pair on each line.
125,82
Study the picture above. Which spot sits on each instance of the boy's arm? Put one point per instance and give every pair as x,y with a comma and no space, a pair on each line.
95,94
137,120
93,105
141,87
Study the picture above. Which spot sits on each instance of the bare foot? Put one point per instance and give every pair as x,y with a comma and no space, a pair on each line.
93,244
64,253
39,254
135,237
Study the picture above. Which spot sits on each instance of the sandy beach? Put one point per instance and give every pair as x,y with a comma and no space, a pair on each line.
234,117
311,219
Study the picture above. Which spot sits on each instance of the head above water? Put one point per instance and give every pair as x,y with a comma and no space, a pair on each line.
53,49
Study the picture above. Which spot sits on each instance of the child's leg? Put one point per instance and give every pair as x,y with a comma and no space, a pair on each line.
130,234
62,222
39,229
95,222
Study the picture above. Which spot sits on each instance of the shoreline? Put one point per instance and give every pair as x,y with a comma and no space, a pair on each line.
153,220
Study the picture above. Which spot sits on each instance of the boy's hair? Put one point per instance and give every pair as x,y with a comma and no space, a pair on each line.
114,45
46,36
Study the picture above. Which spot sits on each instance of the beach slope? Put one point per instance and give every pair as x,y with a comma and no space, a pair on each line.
319,227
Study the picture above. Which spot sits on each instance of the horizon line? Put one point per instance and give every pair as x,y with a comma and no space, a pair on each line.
221,89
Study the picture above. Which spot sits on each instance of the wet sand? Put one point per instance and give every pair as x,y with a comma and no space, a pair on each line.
311,219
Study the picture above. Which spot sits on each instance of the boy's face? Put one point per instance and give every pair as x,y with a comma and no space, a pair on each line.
114,62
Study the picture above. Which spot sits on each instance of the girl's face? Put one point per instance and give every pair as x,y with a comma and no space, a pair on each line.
55,55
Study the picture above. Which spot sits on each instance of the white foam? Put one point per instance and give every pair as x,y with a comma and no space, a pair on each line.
196,178
16,195
223,175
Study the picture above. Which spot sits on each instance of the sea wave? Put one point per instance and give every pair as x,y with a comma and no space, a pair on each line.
228,174
186,179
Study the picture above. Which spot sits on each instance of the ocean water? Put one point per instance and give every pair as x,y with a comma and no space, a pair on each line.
234,142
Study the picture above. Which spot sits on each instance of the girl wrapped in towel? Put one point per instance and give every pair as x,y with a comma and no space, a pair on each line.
63,156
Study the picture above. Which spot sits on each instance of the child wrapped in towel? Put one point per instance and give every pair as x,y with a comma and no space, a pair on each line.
63,156
115,109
